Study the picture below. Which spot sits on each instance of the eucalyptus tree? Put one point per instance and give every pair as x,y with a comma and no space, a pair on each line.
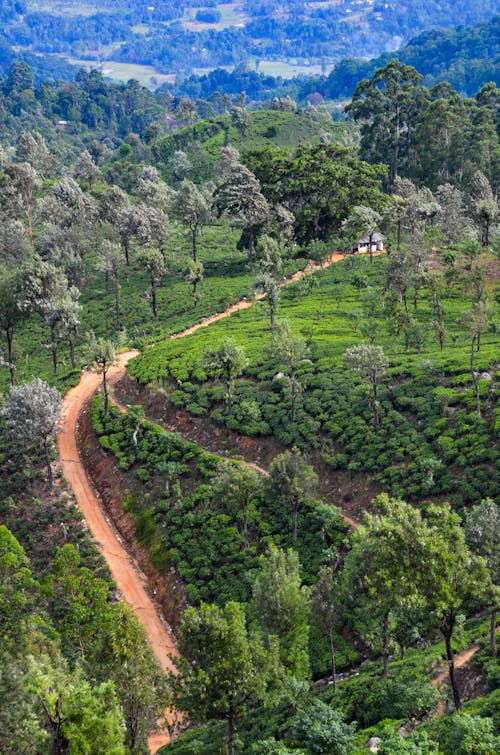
32,412
151,261
290,351
240,199
18,195
477,321
102,354
268,287
370,363
387,106
482,525
85,169
12,311
379,575
109,262
240,119
450,578
229,362
129,222
190,208
291,480
326,610
238,487
268,256
193,274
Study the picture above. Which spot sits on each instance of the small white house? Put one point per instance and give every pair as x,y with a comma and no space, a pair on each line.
361,245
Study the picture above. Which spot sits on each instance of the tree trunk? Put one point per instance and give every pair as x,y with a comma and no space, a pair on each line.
399,235
451,668
71,344
293,397
195,293
53,348
229,399
47,462
332,655
230,731
370,236
153,298
117,298
295,519
105,391
250,244
375,404
9,331
246,544
475,381
385,645
193,243
493,633
126,248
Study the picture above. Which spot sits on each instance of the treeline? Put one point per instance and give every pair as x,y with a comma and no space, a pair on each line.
467,58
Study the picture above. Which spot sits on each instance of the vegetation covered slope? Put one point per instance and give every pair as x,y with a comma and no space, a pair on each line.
381,380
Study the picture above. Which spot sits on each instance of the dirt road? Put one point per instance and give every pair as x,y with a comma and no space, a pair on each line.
130,582
312,267
461,659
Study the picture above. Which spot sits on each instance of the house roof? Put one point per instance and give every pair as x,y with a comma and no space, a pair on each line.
375,237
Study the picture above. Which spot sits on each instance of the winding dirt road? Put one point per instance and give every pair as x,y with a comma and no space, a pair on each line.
129,580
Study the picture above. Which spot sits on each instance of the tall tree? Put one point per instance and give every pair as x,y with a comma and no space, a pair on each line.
482,525
240,199
153,264
193,274
267,286
109,261
12,311
228,361
282,607
32,412
238,487
477,321
291,480
102,354
326,610
379,571
222,669
387,106
450,578
190,208
79,717
290,352
370,363
123,655
85,168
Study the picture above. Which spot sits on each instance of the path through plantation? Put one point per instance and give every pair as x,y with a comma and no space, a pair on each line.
131,583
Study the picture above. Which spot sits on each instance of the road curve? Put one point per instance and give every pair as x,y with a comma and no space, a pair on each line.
129,580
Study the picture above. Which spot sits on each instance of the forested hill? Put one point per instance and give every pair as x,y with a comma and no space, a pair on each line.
177,37
465,57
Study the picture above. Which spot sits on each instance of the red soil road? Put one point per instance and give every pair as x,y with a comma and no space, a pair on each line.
130,582
461,659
